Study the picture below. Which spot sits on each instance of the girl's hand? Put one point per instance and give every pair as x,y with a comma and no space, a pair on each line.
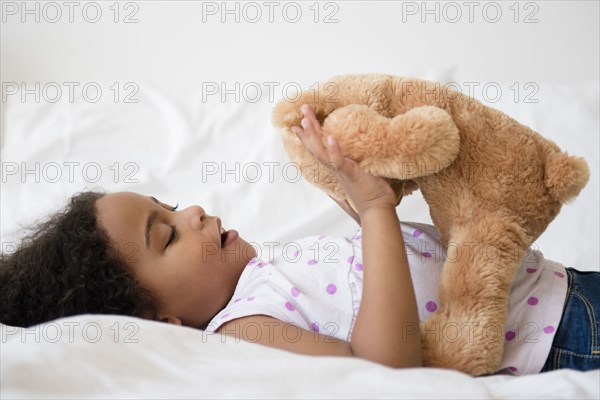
365,190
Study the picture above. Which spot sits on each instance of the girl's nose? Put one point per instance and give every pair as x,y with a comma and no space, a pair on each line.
197,216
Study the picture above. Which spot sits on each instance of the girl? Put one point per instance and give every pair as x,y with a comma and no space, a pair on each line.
124,253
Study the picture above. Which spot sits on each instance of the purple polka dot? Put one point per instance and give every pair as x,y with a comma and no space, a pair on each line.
252,261
512,369
236,300
351,259
358,267
314,326
357,237
532,301
225,315
531,270
510,335
417,233
290,306
426,254
312,262
295,292
431,306
250,298
549,329
261,264
559,274
321,237
331,288
296,253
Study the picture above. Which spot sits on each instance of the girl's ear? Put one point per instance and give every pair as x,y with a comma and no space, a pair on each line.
171,319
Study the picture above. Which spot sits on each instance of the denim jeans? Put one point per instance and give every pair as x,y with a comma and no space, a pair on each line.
576,344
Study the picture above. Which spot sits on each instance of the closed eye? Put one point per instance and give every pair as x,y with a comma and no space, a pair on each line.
172,236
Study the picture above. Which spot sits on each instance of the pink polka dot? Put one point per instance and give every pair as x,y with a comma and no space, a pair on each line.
296,253
250,298
532,301
331,288
510,335
321,237
531,270
549,329
426,254
225,315
290,306
295,292
351,259
252,261
357,237
559,274
261,264
512,369
431,306
312,262
417,233
358,267
314,326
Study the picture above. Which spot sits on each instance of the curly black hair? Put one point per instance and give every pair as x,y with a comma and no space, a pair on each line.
65,266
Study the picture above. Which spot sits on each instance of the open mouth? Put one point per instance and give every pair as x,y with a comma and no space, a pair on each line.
223,236
228,237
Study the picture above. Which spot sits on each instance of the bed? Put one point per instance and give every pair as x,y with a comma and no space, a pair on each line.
164,131
160,147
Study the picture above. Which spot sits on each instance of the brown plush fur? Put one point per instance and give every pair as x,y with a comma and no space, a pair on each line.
492,185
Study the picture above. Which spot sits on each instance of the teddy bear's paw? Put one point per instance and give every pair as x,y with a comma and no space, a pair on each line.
461,344
425,136
420,142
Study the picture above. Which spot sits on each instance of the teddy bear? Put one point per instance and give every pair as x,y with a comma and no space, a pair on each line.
492,185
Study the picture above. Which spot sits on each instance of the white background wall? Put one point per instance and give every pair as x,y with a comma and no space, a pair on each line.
172,47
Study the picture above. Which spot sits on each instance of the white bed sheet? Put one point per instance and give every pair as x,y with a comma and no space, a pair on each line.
120,357
168,142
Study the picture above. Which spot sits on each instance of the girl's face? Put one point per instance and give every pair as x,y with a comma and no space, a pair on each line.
175,254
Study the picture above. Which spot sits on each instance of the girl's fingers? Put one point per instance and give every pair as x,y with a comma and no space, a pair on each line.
310,135
343,164
308,112
335,155
310,120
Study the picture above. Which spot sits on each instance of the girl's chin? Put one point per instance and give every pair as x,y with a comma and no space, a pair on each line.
234,242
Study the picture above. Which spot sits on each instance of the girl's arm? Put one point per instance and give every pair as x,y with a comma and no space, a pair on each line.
387,325
386,330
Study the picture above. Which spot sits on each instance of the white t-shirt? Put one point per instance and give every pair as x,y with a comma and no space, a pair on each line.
316,284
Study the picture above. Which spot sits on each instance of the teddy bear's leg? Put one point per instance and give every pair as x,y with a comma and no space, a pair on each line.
420,142
467,331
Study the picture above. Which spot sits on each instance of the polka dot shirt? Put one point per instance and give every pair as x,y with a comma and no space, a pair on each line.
316,284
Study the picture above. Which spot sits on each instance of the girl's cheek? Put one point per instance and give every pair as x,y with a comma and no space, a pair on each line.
209,251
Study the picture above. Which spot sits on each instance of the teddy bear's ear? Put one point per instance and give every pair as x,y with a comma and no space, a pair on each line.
565,175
